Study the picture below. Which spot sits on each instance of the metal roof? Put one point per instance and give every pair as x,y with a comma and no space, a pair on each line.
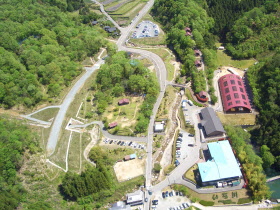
120,205
233,92
210,121
223,164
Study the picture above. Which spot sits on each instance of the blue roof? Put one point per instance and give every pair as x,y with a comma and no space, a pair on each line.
223,164
132,156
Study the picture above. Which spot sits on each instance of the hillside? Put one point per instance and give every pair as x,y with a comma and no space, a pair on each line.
41,48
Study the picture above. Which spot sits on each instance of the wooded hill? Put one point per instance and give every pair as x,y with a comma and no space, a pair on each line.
41,48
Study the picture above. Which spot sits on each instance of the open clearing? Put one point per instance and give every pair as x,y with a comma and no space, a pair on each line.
129,169
225,60
46,114
237,119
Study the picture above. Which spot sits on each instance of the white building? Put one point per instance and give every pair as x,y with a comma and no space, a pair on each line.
159,128
135,199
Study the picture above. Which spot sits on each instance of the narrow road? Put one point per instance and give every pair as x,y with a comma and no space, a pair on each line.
57,123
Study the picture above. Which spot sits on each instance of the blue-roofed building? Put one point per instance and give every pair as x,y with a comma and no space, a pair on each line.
221,167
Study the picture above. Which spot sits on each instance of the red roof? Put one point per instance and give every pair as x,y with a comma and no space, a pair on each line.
233,92
113,124
123,101
197,62
187,29
202,94
197,52
188,33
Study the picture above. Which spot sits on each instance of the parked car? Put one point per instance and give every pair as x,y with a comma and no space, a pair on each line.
170,194
122,143
146,199
190,145
155,202
180,193
191,135
119,143
111,142
178,148
181,134
163,194
177,193
166,194
150,192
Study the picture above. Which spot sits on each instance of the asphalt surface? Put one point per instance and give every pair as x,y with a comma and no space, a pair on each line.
57,123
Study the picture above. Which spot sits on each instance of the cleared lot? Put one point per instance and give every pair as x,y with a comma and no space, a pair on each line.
129,169
145,29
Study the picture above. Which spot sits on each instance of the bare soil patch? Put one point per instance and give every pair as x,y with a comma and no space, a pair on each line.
129,169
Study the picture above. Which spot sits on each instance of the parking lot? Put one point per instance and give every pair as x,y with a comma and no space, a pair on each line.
184,145
131,144
145,29
174,201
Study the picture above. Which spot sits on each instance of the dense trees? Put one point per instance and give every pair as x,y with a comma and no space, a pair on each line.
255,32
226,12
15,139
265,79
251,163
40,49
176,16
119,76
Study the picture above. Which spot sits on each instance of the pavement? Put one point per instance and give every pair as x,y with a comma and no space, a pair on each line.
57,123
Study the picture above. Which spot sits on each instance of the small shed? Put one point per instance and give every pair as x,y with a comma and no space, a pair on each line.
197,63
127,157
188,33
132,156
221,48
197,53
123,101
111,30
113,124
187,29
106,28
159,128
202,94
94,23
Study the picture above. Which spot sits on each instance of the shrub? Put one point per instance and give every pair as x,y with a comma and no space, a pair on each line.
226,201
243,200
206,203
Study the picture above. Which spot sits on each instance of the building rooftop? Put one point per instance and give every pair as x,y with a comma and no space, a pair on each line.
233,92
210,121
120,205
134,197
159,127
223,164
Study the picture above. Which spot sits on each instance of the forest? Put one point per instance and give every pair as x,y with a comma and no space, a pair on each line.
226,12
175,16
41,48
120,76
15,140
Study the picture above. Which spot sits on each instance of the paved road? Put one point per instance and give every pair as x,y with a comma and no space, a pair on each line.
108,135
57,123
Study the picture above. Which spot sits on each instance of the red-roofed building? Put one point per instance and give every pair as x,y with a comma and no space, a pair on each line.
197,53
202,94
187,29
188,33
197,63
113,124
123,101
233,94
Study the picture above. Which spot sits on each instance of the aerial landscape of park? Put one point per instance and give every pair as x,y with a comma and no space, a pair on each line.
140,104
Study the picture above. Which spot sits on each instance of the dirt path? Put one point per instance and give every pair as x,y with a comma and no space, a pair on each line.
94,134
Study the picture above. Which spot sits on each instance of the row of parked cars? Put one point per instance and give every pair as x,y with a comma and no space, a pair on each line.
124,143
171,193
183,206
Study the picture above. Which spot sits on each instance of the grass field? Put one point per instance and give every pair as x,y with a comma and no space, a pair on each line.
46,114
190,173
226,60
234,196
124,11
237,119
167,58
166,103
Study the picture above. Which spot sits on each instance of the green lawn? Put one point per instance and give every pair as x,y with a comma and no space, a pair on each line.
167,57
46,114
225,60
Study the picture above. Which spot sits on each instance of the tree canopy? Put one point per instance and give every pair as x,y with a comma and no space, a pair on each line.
41,48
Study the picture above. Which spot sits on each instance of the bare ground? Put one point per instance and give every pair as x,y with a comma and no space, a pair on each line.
129,169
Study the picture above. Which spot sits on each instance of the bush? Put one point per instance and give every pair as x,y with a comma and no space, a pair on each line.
243,200
226,201
206,203
157,168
